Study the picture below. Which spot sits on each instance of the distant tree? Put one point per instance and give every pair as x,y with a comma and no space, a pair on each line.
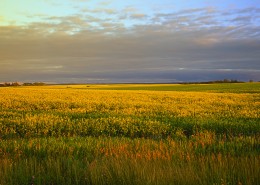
34,84
234,81
38,83
15,84
7,84
251,81
226,80
27,84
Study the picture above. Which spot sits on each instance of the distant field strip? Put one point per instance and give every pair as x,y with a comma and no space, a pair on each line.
222,88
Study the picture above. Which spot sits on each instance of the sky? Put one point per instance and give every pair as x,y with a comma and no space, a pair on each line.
124,41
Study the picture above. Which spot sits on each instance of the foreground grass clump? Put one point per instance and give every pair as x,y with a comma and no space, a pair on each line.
88,135
102,160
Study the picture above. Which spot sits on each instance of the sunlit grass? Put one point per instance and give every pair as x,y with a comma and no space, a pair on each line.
253,87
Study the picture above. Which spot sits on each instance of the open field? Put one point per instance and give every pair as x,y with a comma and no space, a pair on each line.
130,134
220,88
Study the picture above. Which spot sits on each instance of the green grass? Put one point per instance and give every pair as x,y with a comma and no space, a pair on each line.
102,124
221,87
80,160
253,87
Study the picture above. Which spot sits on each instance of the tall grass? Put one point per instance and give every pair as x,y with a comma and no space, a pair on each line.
200,160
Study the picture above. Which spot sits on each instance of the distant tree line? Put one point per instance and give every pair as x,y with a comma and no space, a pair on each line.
8,84
217,81
34,84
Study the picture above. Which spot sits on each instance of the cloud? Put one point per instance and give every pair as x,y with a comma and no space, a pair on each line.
106,3
200,43
138,16
98,10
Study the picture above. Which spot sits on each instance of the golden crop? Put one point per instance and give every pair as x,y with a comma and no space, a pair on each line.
181,104
37,111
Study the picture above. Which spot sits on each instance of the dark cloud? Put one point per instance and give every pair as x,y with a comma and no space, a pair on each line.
194,45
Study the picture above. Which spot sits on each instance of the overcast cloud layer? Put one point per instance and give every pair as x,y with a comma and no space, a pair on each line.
107,43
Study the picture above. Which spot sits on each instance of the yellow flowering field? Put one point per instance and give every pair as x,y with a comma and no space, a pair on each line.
28,112
97,135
